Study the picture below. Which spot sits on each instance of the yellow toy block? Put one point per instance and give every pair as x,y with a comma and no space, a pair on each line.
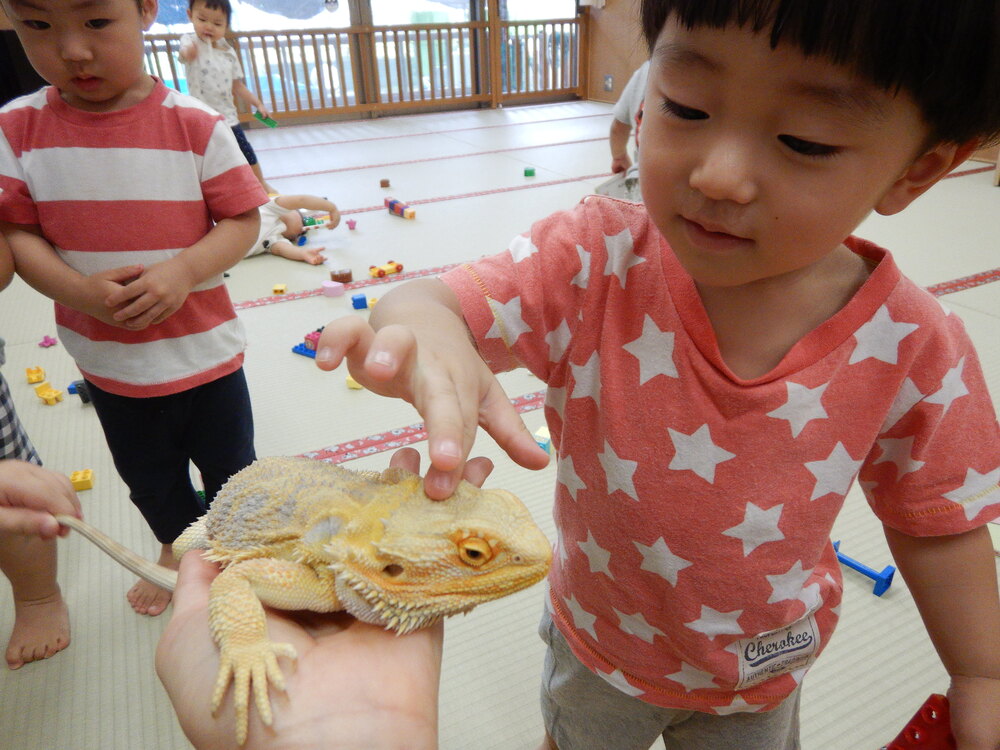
48,394
82,480
280,288
354,384
35,374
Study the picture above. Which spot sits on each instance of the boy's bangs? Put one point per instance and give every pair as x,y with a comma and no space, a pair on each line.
940,51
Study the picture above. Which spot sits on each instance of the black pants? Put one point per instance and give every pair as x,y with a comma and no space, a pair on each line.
154,440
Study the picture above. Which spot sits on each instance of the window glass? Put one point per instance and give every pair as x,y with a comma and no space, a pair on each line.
530,10
257,15
400,13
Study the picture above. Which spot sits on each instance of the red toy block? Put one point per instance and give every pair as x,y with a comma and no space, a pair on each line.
929,729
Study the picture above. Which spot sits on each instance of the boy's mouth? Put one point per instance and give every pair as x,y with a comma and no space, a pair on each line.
712,237
86,82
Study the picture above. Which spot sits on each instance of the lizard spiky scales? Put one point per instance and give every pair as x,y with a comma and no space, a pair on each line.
293,533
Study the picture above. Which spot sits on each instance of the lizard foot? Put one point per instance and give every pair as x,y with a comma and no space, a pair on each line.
255,663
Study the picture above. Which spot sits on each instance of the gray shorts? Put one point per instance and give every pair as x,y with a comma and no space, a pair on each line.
584,712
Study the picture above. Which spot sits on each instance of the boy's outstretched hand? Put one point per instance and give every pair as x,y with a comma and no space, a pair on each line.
353,684
30,496
421,353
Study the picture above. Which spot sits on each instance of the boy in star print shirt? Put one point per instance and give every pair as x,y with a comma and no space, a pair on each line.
722,362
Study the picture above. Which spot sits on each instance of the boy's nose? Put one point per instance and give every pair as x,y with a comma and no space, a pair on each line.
725,173
73,48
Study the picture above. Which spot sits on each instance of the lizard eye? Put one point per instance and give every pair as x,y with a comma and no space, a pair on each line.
475,552
392,570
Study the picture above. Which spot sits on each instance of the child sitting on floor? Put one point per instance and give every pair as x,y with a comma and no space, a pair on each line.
281,225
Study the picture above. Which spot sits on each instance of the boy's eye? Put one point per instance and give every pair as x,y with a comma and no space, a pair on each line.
36,25
98,23
807,148
684,113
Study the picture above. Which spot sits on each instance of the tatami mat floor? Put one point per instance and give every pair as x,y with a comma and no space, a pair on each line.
464,173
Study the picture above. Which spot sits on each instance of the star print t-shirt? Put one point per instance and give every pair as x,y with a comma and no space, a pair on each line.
694,566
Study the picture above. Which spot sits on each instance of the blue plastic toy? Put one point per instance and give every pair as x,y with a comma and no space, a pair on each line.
882,580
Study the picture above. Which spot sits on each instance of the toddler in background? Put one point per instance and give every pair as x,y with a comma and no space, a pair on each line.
214,73
281,225
134,264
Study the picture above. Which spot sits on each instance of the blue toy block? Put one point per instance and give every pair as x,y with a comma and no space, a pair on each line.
304,351
359,301
882,580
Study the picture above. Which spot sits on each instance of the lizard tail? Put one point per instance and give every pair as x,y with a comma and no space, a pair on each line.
155,574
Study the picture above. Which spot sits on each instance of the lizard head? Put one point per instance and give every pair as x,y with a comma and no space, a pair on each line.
428,559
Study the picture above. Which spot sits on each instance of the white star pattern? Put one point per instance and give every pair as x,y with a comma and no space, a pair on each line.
900,452
597,556
567,476
507,322
738,706
978,492
620,255
759,526
803,406
558,339
908,397
697,452
952,388
555,399
692,678
655,351
834,473
522,247
879,338
714,623
618,471
788,585
582,619
582,279
636,625
587,379
657,558
617,679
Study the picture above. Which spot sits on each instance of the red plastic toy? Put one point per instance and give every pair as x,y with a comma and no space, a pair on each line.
929,729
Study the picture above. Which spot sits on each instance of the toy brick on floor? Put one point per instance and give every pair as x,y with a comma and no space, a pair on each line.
82,480
399,208
343,275
48,394
34,374
929,729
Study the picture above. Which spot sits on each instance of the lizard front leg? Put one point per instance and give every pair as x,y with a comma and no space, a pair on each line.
236,616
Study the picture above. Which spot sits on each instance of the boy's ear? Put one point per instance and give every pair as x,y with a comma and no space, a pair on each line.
149,11
922,174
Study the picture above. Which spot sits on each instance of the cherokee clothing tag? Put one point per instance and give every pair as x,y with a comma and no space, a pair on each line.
777,652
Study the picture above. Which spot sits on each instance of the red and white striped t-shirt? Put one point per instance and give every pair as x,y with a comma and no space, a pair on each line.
694,566
132,186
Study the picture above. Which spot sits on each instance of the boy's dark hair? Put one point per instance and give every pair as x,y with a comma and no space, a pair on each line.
222,5
943,53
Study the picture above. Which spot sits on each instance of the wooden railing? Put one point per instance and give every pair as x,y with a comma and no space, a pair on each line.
381,69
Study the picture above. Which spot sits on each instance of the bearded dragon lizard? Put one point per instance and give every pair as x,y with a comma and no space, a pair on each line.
294,533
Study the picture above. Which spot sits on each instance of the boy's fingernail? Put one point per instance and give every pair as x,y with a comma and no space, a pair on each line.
324,354
382,358
450,448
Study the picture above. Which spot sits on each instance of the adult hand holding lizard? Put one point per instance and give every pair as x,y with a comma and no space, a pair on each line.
353,685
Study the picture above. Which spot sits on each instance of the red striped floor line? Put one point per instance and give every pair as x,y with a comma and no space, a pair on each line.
427,133
402,436
435,271
359,167
967,172
966,282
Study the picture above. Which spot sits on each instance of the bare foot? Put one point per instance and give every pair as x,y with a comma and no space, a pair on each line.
41,630
147,598
312,255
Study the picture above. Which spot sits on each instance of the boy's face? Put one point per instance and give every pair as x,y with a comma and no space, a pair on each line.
91,50
209,23
755,162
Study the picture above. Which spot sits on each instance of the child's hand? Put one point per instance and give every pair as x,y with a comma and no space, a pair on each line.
263,111
188,52
153,297
30,495
975,712
103,284
436,369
